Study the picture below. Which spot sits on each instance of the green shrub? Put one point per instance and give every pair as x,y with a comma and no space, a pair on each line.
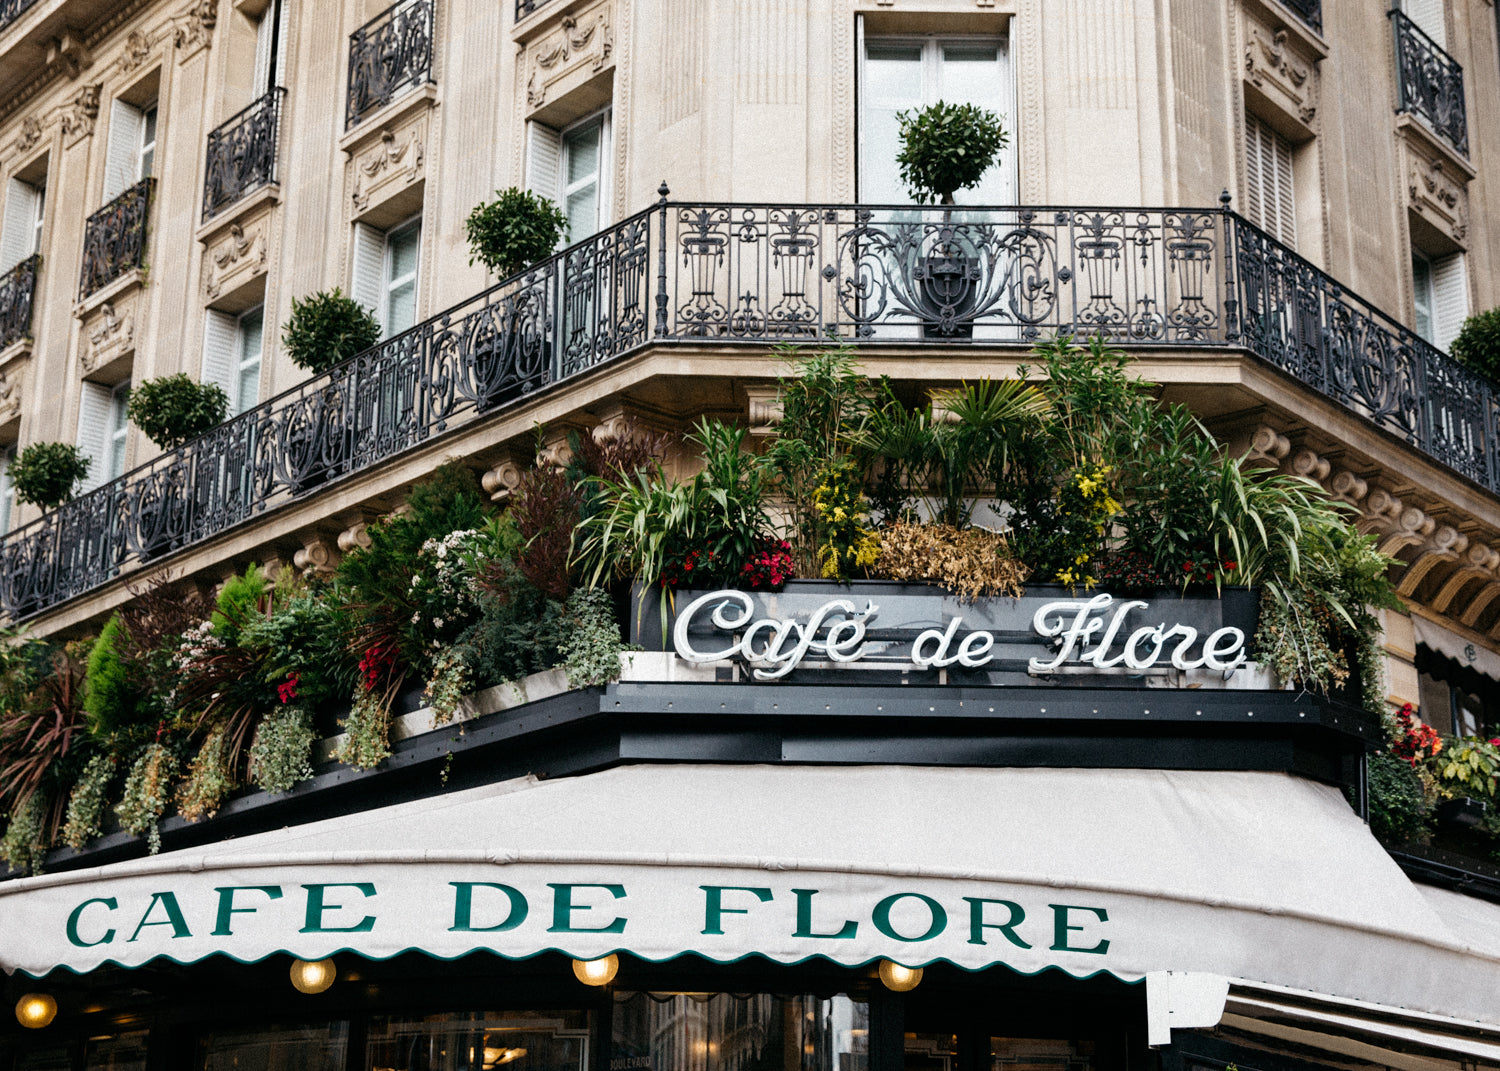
45,474
110,698
1478,343
173,409
239,604
326,329
1397,810
947,147
514,231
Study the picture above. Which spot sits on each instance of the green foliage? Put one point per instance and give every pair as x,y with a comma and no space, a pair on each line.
367,731
147,792
520,631
281,756
210,778
327,328
239,604
302,638
849,546
111,699
947,147
591,651
44,474
25,841
1469,767
1398,811
173,409
1478,343
86,804
514,231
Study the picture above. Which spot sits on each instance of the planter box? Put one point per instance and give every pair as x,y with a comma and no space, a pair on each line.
923,629
1462,812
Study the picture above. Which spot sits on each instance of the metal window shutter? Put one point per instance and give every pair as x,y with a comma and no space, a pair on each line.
368,269
93,431
1450,299
544,161
220,335
18,237
1286,215
1269,200
1428,15
121,160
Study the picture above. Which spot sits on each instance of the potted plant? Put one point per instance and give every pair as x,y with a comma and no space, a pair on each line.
45,474
509,235
946,148
324,330
1478,344
173,409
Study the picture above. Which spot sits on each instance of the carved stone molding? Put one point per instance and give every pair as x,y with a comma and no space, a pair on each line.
581,44
79,114
763,409
1347,487
1443,544
390,165
1310,466
10,397
357,535
502,480
237,256
1436,193
68,52
31,133
318,555
194,28
109,335
137,51
1285,78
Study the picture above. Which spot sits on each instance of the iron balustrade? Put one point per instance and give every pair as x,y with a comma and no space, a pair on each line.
1309,11
729,274
526,7
1429,83
17,291
242,153
114,238
11,10
388,55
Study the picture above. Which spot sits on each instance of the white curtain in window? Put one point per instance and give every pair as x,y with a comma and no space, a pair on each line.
219,351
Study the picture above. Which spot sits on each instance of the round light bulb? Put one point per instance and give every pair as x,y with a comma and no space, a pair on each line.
899,979
596,971
313,976
35,1010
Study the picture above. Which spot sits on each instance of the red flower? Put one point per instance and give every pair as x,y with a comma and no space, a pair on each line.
287,690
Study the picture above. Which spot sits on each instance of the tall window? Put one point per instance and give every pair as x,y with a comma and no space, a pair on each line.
7,489
1428,15
232,352
132,147
571,167
898,74
384,279
21,235
102,430
1440,296
1269,201
270,49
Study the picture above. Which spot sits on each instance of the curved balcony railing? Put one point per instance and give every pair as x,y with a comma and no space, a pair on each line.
17,292
1429,83
11,10
1309,11
242,153
729,274
114,238
389,55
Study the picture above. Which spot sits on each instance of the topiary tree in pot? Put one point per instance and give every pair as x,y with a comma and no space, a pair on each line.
947,147
173,409
514,231
326,329
1478,343
45,474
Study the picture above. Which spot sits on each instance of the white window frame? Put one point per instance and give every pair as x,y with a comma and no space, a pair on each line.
117,431
931,47
145,160
389,283
547,168
25,211
237,401
1421,295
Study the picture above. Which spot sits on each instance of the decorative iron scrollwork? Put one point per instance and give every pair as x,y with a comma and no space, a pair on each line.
11,10
114,238
389,55
17,289
1430,83
242,154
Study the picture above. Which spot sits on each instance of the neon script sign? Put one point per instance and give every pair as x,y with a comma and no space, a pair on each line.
1091,632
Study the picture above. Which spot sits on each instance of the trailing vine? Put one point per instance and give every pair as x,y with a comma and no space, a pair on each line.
147,793
25,840
591,652
85,817
209,779
281,755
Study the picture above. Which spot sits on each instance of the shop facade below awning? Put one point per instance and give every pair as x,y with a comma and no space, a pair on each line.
1258,876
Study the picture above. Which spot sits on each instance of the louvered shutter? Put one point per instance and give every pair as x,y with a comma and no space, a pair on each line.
93,432
7,489
1269,200
1450,299
1428,15
122,159
220,352
281,40
18,238
367,275
263,30
544,161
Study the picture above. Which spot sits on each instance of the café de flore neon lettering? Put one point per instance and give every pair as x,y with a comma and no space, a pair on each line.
485,907
836,632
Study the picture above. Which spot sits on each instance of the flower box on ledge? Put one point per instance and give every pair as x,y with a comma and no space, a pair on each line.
1051,635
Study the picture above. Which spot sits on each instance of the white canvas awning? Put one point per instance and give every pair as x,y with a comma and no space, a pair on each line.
1254,876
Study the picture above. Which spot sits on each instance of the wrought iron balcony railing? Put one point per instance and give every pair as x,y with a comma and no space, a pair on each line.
388,55
17,289
1430,83
526,7
114,238
1309,11
242,153
11,10
730,274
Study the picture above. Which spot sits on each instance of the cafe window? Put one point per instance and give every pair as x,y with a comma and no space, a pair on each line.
276,1048
520,1041
738,1032
1456,699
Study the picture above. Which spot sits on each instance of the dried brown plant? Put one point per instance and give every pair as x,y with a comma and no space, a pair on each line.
970,562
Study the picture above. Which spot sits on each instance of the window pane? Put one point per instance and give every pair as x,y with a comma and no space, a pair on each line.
582,210
119,425
1039,1054
582,151
247,381
58,1059
148,142
728,1032
893,83
1421,284
404,247
124,1053
520,1041
309,1048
